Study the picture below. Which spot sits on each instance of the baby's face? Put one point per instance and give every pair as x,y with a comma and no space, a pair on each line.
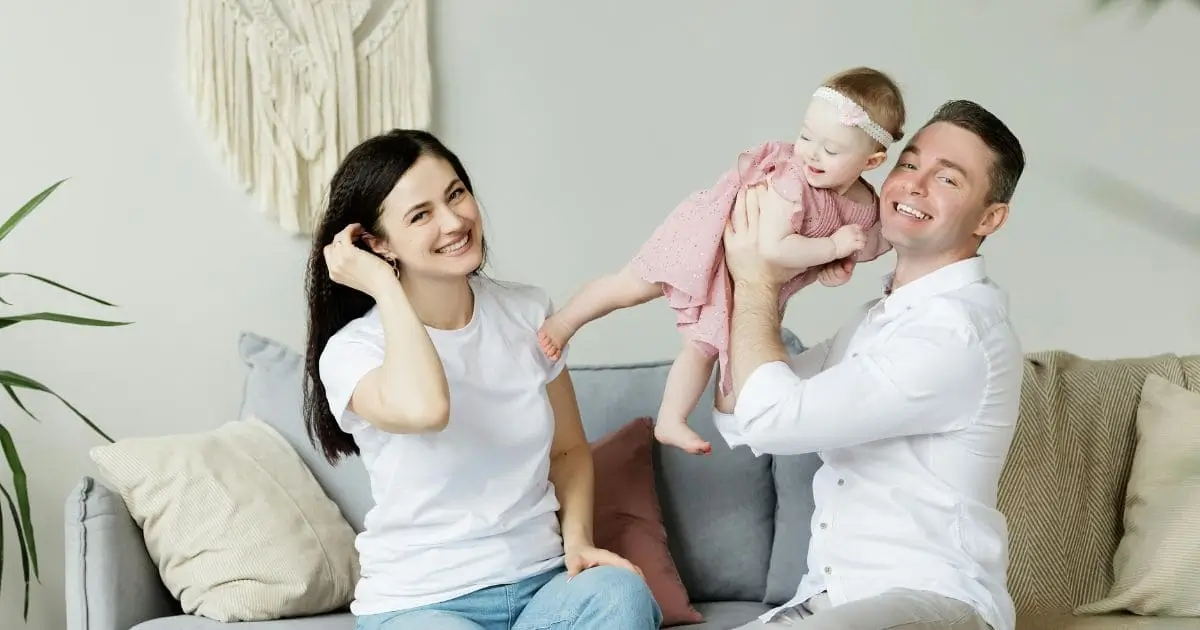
834,154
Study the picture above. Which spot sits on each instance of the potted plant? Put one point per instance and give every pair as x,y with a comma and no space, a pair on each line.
14,497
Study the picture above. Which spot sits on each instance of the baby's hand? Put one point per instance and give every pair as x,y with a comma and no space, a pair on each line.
836,273
848,239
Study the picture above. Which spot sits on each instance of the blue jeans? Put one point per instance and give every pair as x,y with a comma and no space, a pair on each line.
600,598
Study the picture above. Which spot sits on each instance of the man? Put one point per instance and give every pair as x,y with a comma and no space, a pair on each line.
911,406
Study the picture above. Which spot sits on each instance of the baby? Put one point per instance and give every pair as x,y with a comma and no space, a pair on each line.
833,216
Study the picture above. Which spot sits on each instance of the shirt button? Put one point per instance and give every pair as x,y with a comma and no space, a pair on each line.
828,570
841,482
824,525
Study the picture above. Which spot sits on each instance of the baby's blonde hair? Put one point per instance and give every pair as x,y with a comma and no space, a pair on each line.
875,92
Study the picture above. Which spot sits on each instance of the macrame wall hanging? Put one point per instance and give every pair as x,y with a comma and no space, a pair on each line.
287,87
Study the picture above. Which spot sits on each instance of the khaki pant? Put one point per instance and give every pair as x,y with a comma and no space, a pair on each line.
900,608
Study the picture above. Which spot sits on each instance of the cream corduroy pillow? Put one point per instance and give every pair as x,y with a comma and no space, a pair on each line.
238,526
1154,567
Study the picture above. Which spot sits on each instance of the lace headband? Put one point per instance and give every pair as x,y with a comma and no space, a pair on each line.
854,115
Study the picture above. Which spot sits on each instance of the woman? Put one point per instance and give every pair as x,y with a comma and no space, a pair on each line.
479,468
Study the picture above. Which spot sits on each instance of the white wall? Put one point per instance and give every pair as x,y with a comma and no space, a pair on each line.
586,123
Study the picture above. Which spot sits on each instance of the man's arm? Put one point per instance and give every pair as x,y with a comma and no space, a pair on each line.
807,363
755,329
755,333
811,360
924,379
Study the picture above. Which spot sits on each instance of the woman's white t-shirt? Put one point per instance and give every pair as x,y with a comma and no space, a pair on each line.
470,506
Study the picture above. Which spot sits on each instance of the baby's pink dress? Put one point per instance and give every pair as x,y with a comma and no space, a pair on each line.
686,254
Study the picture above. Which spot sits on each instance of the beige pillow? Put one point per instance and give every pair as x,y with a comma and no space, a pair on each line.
236,523
1154,567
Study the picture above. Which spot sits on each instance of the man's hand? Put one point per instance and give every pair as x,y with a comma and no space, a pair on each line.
743,254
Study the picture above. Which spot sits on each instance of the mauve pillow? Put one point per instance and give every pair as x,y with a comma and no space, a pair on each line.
628,521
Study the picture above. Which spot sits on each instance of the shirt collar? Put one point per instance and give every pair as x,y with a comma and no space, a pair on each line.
953,276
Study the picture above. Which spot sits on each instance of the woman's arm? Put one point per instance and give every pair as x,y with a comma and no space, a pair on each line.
408,393
571,466
573,477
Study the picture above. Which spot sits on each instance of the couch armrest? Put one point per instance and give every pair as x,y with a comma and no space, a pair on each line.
111,582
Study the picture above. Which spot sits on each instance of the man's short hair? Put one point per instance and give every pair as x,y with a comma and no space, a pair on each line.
1008,158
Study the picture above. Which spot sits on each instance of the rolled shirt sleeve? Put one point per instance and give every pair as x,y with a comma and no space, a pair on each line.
924,379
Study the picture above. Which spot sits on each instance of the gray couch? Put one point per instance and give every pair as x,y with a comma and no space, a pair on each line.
738,524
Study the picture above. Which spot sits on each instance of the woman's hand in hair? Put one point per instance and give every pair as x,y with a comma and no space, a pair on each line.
355,267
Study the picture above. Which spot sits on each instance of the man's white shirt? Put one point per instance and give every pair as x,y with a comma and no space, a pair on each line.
912,408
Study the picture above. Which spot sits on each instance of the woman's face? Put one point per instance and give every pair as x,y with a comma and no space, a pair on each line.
432,222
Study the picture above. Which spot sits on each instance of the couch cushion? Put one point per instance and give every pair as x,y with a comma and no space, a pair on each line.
725,615
1063,486
718,616
336,621
235,522
628,518
1155,565
718,508
103,541
793,477
273,392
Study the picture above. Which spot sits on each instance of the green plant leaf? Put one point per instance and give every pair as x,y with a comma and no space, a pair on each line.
29,206
21,488
13,395
17,381
9,320
2,565
4,274
21,544
11,381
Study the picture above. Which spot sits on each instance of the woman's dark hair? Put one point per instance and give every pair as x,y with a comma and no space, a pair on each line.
365,177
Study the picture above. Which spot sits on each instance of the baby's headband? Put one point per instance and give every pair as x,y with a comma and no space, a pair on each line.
854,115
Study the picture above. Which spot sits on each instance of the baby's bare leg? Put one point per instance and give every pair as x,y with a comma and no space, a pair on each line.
596,299
685,383
801,252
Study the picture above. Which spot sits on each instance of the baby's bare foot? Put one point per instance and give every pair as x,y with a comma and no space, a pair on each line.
678,434
848,239
554,335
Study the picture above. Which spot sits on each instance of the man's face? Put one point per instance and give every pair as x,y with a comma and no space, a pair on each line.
934,203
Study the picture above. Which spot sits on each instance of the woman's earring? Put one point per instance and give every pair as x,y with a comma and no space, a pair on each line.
395,266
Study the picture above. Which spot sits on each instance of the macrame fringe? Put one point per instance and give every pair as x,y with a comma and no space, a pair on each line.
286,99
